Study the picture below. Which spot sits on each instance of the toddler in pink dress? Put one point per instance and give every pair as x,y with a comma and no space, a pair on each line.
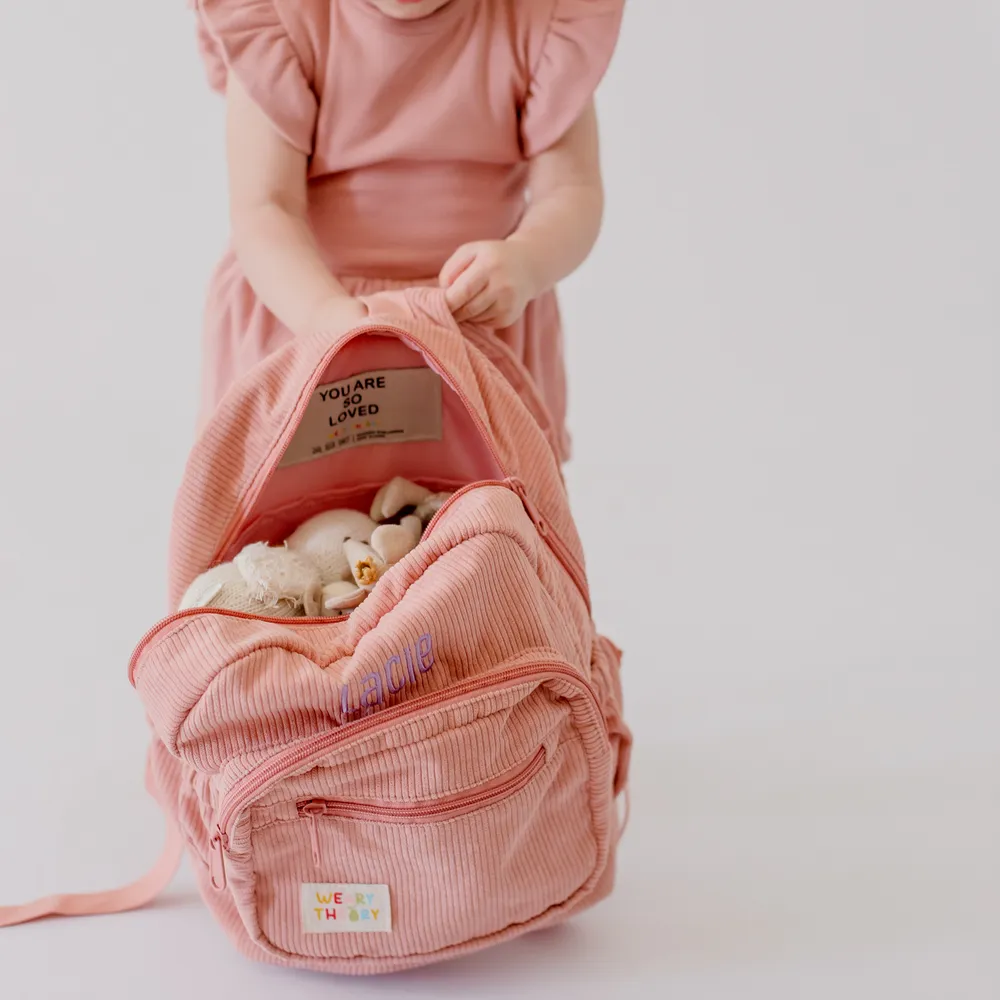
381,143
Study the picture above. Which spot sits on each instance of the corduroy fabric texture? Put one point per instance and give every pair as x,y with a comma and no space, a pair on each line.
459,738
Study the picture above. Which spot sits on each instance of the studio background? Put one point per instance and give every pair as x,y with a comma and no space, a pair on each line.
784,368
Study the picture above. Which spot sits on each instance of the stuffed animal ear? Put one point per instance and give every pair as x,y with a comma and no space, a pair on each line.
312,602
207,587
202,596
394,496
341,596
210,595
366,564
428,507
393,541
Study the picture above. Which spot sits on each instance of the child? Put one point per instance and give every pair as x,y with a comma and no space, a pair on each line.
382,143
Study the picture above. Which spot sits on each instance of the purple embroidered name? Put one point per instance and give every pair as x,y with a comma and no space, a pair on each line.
400,671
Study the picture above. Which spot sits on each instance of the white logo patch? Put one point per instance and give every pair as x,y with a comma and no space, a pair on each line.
401,404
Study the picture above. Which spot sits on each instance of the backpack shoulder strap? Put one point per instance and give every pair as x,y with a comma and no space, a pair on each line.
129,897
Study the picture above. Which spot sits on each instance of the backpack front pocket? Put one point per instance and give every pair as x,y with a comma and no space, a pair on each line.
459,820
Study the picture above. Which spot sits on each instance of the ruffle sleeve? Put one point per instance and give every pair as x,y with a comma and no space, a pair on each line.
577,41
250,38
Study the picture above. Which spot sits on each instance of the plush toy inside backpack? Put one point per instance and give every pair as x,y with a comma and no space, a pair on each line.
328,565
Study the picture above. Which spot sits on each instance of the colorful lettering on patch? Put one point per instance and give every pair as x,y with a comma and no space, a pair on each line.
345,909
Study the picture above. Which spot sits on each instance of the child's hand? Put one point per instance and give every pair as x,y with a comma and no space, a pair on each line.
490,282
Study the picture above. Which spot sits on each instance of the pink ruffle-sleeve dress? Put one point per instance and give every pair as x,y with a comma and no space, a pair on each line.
418,134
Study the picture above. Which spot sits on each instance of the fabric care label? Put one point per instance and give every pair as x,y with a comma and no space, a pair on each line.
345,909
399,404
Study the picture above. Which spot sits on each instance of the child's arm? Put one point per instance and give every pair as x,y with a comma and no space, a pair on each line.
271,233
492,282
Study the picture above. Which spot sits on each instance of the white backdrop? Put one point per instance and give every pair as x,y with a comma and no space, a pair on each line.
785,369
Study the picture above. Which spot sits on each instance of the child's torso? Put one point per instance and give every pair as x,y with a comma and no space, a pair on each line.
417,145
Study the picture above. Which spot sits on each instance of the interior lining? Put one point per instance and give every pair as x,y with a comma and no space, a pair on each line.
350,478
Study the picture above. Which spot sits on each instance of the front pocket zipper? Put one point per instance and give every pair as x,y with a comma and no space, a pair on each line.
315,809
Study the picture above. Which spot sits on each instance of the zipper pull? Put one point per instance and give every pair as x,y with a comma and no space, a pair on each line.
532,511
218,845
313,811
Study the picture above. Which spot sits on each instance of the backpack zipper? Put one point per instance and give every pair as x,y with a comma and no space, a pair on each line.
556,545
225,613
257,781
554,542
315,809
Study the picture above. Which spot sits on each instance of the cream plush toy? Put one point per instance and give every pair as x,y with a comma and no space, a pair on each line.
352,551
327,566
261,580
400,493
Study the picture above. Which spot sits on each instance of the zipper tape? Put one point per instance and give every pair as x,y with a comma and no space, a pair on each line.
554,543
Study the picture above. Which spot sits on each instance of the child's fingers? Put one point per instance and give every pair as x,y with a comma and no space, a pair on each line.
472,282
491,317
458,262
477,306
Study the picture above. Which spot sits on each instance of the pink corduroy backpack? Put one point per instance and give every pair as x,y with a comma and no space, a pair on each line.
437,772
